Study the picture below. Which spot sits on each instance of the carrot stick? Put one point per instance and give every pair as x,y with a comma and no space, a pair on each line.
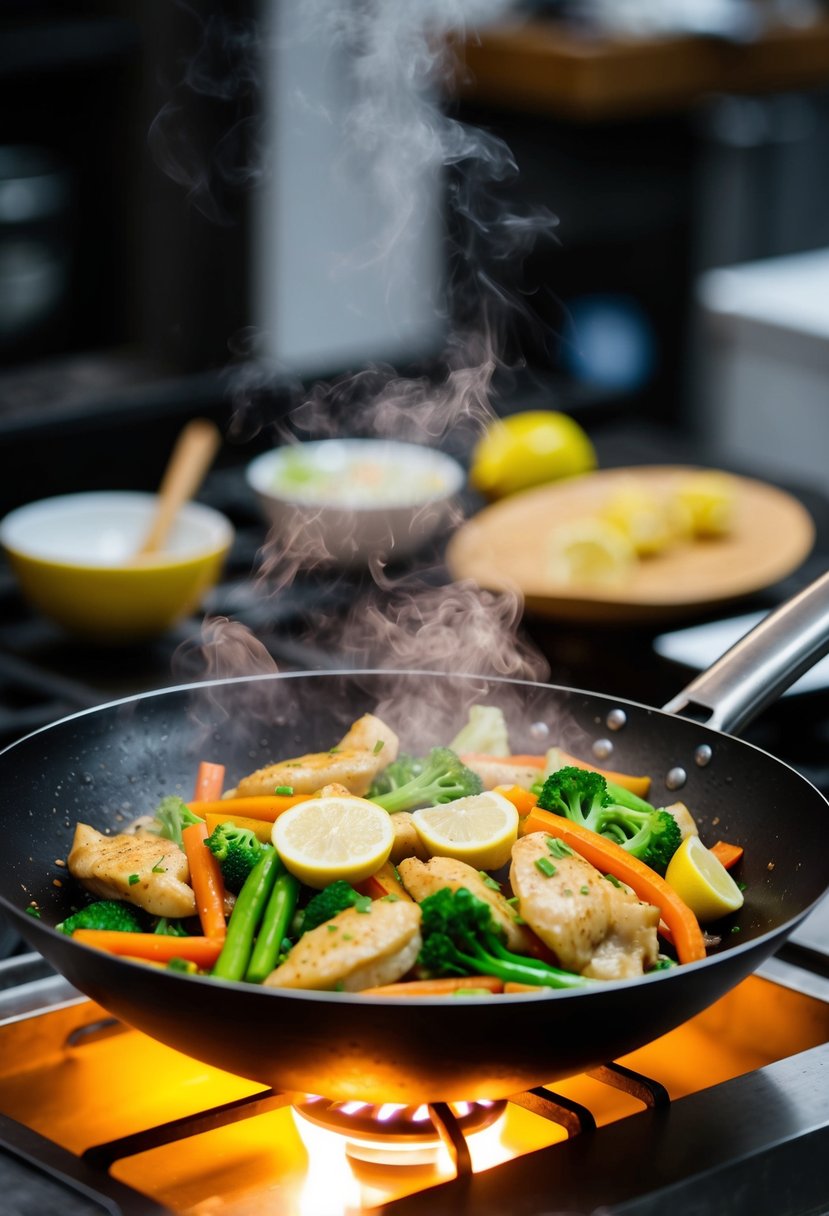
258,806
210,780
206,879
523,800
261,828
514,986
437,987
728,854
611,858
525,761
155,947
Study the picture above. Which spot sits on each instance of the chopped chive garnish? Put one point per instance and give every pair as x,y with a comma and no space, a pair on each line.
33,911
133,879
332,928
362,903
158,868
545,866
612,878
558,848
584,890
489,881
736,929
513,899
741,886
378,746
287,790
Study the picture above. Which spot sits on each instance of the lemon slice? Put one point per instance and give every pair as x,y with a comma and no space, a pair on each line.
590,551
527,449
643,517
702,881
479,830
708,498
325,839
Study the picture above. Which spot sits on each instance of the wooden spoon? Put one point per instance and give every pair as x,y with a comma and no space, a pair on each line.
192,456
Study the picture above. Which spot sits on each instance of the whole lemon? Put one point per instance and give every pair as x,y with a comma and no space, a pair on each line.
528,449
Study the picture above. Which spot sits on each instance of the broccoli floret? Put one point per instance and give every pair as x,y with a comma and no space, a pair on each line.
103,914
443,778
237,851
398,773
172,815
585,797
460,937
334,898
165,927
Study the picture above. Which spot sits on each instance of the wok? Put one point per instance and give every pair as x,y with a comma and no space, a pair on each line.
113,762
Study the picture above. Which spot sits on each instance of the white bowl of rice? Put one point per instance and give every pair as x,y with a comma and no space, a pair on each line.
350,500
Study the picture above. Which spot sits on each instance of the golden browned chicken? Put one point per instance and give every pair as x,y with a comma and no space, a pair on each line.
146,870
363,752
354,950
407,842
495,772
592,926
422,879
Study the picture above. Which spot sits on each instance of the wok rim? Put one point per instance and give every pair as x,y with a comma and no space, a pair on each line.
756,945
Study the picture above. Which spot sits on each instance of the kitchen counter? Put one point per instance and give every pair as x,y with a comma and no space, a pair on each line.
543,67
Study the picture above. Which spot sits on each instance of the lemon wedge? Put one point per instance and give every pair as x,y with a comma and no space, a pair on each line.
643,516
479,830
528,449
708,498
589,551
702,881
325,839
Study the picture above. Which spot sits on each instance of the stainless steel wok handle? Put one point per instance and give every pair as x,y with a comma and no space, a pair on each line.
758,668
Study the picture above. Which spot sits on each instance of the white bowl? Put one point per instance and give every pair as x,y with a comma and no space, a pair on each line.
74,559
349,500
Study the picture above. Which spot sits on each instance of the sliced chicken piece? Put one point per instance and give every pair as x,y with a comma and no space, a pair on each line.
407,842
354,950
148,871
593,927
370,734
353,767
684,819
493,772
422,879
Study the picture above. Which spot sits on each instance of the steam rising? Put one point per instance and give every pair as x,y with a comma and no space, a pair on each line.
397,134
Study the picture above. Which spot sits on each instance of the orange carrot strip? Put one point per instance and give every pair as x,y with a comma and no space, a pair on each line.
636,785
514,986
523,800
261,828
203,951
257,806
210,781
206,879
518,759
437,987
728,854
611,858
383,882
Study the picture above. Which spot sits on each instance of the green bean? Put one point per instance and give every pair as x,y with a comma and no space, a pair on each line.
245,917
273,928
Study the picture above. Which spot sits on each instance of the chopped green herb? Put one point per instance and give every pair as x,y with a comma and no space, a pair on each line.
568,891
133,879
334,751
518,920
287,790
612,878
183,965
332,928
391,898
584,890
545,866
158,868
513,899
378,746
489,881
33,911
663,964
742,886
362,903
339,986
170,928
736,929
348,937
558,848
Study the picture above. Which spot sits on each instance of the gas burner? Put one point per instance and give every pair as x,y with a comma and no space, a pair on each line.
393,1134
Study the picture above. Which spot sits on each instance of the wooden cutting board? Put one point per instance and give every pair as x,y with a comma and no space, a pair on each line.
505,546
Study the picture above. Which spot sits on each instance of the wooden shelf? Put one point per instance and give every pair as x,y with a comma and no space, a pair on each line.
542,68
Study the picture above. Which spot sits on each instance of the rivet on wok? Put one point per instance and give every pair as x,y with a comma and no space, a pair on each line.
602,748
616,719
676,778
703,755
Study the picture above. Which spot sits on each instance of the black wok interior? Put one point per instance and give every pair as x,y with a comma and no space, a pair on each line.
111,764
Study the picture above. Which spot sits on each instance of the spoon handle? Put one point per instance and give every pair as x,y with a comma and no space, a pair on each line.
192,456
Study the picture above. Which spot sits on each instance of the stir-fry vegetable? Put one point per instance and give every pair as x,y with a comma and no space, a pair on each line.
424,924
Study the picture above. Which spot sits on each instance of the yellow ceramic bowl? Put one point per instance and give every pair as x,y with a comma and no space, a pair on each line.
73,558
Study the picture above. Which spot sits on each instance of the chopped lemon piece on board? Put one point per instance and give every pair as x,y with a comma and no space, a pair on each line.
529,449
646,519
702,881
708,498
589,551
479,830
326,839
